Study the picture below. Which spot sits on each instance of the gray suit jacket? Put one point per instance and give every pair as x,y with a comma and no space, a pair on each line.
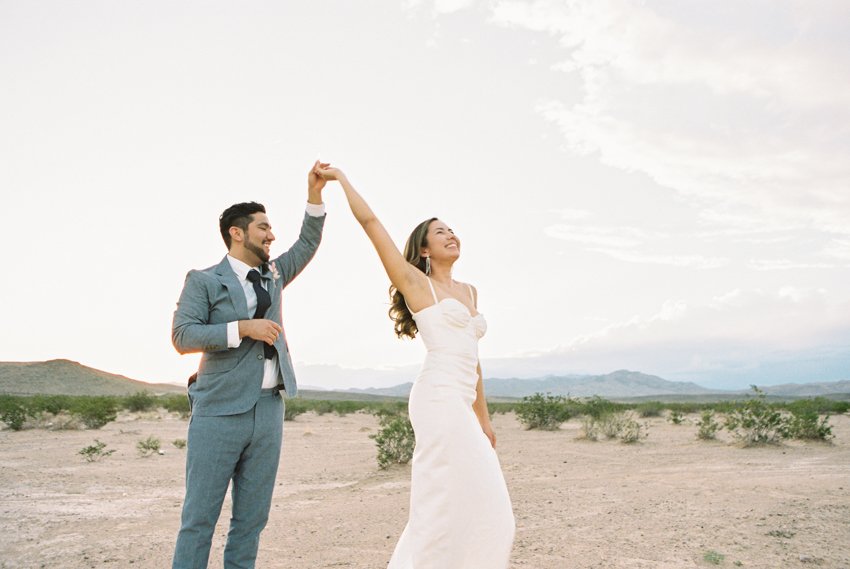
230,379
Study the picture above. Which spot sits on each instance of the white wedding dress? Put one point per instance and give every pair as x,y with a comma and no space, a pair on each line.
460,510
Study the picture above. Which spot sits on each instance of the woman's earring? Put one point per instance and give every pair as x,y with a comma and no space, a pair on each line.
427,265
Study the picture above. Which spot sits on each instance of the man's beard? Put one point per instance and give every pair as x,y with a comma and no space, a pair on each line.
258,251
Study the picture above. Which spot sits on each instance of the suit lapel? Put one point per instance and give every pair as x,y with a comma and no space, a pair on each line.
234,288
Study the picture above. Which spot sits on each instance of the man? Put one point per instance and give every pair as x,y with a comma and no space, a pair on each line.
232,313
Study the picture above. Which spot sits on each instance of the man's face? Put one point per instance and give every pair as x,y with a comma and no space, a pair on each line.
259,237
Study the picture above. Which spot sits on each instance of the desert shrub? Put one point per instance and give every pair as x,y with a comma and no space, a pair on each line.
95,452
13,414
713,557
321,407
53,404
395,440
676,417
139,401
95,412
293,408
500,408
806,423
708,426
385,408
589,428
343,408
757,422
597,407
148,446
610,425
620,425
179,443
175,404
650,409
545,412
821,405
630,431
686,408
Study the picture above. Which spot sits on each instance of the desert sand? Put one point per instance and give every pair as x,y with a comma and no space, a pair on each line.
662,503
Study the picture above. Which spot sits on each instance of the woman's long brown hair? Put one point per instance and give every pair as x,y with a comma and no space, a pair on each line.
399,312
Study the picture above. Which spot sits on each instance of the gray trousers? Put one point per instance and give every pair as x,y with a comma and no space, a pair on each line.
244,449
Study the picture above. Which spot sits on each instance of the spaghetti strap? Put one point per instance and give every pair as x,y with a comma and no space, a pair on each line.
433,292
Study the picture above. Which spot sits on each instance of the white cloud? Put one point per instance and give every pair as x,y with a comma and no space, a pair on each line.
787,317
738,337
602,236
572,214
838,248
442,6
626,243
449,6
746,106
787,265
685,261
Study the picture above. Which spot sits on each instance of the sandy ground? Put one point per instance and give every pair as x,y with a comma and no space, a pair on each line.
662,503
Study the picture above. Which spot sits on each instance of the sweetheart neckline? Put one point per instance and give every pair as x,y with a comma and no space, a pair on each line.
468,311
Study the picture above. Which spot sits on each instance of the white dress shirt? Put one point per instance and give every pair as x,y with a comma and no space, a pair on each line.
271,369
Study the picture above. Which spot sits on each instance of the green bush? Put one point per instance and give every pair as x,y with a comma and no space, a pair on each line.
95,452
140,401
757,422
148,446
343,408
321,407
179,443
293,408
650,409
53,404
175,404
388,408
614,425
676,417
597,407
395,440
95,412
501,407
630,431
545,412
14,415
708,426
806,423
821,405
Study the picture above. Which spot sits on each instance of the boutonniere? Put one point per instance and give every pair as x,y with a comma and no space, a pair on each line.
273,269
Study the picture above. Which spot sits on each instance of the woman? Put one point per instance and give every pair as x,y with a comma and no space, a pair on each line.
460,511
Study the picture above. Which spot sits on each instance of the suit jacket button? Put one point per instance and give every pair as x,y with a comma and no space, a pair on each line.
259,356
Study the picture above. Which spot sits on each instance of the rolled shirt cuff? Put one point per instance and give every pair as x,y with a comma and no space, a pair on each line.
316,210
233,339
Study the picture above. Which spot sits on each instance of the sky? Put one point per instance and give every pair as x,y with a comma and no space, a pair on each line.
661,186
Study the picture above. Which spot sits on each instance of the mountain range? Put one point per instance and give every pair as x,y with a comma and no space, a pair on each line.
65,377
620,384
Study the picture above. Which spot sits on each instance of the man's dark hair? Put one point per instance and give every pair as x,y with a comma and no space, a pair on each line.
238,215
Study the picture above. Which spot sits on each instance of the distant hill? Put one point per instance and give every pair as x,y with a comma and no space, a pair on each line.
624,384
823,389
327,395
621,383
64,377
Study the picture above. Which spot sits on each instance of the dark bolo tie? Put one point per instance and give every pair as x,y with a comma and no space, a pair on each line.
264,301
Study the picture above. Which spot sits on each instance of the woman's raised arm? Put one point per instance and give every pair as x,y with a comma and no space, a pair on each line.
409,280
